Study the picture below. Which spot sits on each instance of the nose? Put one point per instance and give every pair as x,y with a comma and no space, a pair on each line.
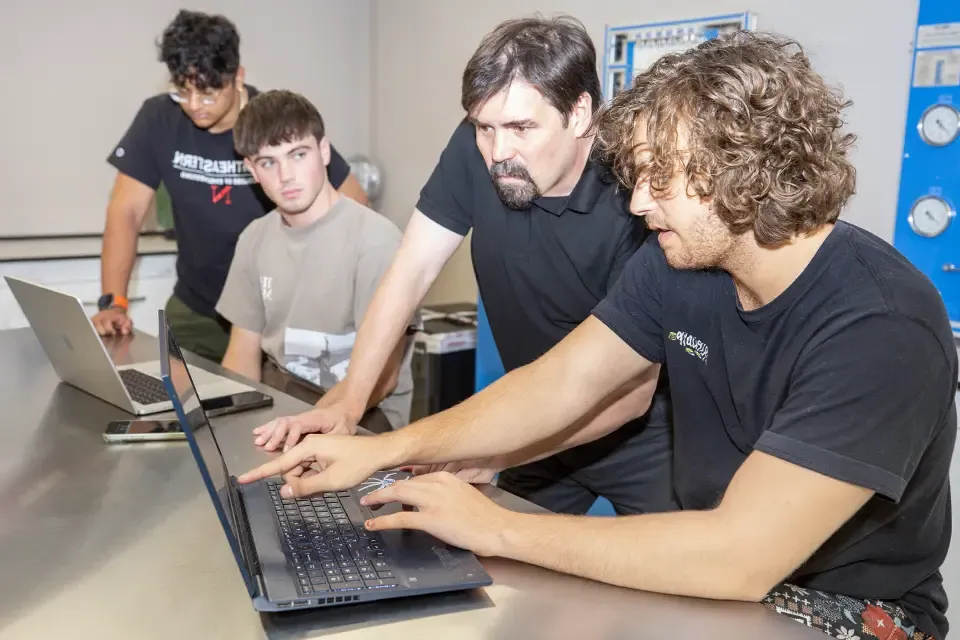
640,200
194,101
284,171
503,148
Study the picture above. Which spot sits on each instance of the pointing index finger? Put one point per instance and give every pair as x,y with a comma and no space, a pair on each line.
279,465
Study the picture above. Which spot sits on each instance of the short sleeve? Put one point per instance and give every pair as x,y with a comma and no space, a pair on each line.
338,170
447,196
631,240
864,404
381,242
240,302
633,308
136,153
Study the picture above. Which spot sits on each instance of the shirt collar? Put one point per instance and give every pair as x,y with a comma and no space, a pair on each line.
593,181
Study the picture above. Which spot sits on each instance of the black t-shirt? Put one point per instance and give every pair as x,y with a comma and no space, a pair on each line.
540,272
851,372
213,196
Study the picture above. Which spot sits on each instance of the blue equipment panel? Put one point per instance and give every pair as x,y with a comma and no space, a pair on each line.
631,49
926,230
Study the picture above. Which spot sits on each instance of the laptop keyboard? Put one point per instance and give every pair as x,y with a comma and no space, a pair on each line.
143,388
329,552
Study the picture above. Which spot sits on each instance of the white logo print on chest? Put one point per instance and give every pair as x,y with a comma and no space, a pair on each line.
691,344
266,288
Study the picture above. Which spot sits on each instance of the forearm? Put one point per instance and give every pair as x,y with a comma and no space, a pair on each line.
526,406
386,321
119,252
627,403
243,364
691,553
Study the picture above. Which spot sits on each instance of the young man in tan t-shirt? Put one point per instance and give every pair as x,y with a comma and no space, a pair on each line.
303,275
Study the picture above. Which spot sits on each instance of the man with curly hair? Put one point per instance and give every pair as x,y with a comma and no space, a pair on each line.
184,139
812,370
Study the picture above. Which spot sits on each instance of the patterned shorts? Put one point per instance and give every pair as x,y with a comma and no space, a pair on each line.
842,617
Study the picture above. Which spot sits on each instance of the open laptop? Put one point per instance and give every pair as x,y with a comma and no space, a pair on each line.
310,552
79,357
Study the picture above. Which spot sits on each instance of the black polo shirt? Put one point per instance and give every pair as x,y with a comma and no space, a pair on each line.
542,271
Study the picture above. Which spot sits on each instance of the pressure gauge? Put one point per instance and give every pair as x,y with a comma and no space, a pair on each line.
930,216
939,125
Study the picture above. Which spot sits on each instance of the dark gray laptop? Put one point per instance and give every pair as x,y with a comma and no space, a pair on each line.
311,552
79,357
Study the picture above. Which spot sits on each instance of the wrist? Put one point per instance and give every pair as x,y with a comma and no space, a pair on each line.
509,539
113,301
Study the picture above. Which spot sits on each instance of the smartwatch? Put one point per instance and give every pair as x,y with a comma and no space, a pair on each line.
108,300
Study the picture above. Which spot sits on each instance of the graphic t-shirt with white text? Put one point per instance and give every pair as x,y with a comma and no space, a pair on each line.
213,195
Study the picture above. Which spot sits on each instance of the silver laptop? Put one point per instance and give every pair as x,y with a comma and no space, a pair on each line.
79,357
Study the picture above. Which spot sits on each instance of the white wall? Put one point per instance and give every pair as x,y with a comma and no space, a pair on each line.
72,83
415,111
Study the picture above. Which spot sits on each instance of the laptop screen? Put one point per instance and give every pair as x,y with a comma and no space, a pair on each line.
203,442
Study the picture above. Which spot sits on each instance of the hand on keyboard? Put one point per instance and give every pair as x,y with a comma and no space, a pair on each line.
326,463
446,507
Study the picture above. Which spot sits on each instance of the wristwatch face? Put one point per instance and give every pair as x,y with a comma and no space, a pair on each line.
105,301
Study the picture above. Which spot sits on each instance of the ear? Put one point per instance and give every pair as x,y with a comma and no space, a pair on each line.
252,169
324,145
581,114
240,77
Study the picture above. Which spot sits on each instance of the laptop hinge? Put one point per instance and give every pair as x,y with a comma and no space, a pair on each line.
242,524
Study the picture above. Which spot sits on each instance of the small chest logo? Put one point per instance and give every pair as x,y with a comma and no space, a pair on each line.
691,344
266,288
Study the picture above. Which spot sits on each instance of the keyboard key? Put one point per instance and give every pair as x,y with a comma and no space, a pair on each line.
353,578
385,574
334,579
369,576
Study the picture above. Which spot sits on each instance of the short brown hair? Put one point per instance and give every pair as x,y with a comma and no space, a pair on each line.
275,117
763,130
554,55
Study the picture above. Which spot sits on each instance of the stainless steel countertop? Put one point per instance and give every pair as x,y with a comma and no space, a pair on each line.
121,541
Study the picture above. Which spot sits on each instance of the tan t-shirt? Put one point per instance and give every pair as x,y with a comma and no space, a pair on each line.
305,291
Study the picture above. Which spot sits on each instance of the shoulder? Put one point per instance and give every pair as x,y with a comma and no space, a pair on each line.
160,109
254,233
374,229
869,273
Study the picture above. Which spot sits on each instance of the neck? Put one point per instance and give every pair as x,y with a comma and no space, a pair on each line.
230,118
570,179
761,273
321,206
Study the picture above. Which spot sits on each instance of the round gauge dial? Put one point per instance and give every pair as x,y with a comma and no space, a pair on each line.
930,216
940,125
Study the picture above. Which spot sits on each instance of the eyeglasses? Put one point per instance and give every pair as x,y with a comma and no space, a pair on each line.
206,98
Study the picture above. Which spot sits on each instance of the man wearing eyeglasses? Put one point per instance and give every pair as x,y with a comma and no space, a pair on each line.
184,140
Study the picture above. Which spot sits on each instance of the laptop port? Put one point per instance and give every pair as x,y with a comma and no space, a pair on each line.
301,603
284,605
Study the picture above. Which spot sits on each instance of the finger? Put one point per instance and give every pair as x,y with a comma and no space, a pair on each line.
279,431
279,465
311,484
264,430
399,520
294,436
406,492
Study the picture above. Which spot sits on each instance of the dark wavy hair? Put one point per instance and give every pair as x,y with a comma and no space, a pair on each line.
761,133
200,48
274,117
554,55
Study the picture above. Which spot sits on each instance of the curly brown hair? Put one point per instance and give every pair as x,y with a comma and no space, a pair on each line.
762,133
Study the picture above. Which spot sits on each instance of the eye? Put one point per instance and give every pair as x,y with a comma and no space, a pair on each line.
266,164
299,154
